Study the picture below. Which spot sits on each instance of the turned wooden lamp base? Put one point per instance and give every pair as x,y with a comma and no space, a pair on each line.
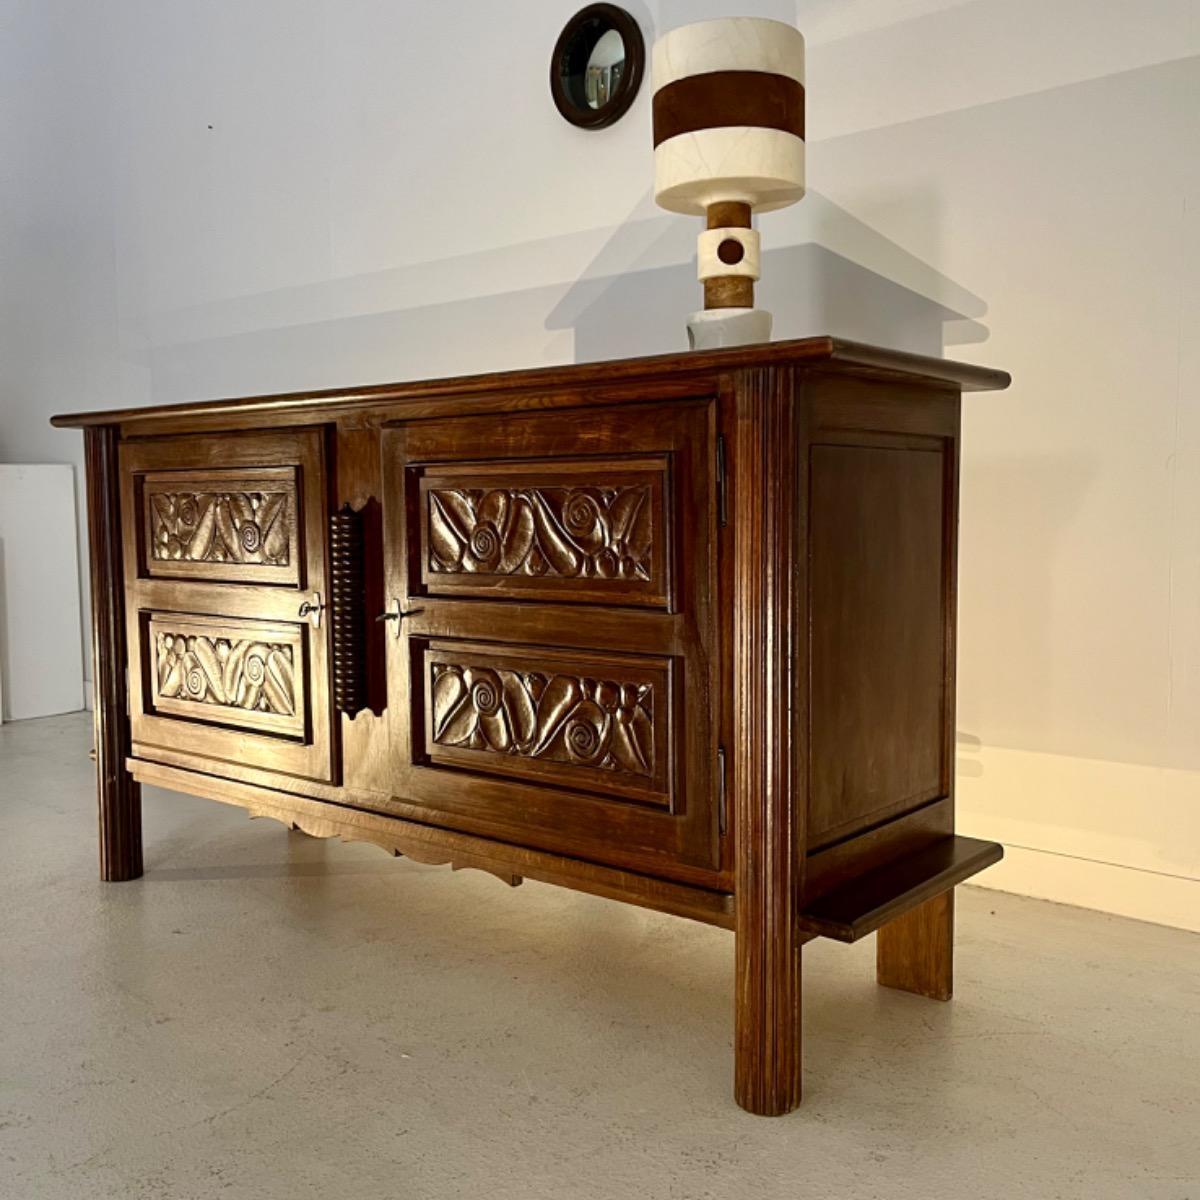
728,255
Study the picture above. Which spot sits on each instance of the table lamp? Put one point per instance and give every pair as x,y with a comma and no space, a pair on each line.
728,139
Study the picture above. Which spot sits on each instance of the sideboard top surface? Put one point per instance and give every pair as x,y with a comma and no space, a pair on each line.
823,353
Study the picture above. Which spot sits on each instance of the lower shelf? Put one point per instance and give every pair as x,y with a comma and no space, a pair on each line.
860,906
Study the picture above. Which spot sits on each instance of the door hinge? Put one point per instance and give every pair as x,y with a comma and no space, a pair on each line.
722,803
722,487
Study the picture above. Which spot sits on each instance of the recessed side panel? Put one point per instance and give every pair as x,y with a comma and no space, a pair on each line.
563,530
246,674
591,722
879,559
222,525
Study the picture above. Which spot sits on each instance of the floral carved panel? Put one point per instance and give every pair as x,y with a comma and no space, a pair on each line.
232,672
575,533
223,525
584,533
543,715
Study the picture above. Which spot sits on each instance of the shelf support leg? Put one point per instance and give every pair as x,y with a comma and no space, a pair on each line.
915,952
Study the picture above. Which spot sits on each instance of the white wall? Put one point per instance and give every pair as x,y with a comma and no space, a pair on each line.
39,593
386,191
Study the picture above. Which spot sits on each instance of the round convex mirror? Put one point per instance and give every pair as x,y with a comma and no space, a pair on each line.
597,66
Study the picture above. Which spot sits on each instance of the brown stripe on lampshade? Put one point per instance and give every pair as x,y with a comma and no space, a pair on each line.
719,99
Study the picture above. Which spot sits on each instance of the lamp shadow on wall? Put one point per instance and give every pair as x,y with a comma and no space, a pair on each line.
839,277
809,290
588,296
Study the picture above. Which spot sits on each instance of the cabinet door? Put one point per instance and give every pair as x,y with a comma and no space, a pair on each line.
552,680
224,542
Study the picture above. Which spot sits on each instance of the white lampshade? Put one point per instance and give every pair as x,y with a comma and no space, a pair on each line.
729,115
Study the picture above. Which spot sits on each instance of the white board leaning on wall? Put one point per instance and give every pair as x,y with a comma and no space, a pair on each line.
41,650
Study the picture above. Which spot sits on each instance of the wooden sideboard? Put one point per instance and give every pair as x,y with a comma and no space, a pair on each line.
676,631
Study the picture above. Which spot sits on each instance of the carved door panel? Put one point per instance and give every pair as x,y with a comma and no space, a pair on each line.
224,545
551,669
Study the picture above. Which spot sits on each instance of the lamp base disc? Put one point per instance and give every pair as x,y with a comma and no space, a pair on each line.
717,327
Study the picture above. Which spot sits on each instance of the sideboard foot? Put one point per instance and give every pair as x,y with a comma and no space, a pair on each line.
119,796
769,1050
120,827
915,952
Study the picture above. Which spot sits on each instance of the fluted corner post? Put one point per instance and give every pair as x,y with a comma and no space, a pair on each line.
119,796
768,478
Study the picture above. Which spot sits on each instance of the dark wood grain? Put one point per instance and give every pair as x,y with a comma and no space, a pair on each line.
607,634
221,525
247,674
893,838
676,631
768,479
603,379
862,905
356,480
915,951
347,610
589,720
119,797
244,616
883,552
878,577
428,843
728,214
729,291
569,530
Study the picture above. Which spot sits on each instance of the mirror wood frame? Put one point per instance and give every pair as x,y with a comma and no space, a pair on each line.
614,18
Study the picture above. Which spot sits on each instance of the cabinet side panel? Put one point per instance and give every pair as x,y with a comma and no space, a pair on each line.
880,566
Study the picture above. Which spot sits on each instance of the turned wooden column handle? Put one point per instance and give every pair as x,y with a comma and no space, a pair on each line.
347,616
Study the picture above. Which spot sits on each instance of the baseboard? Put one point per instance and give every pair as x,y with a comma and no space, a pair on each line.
1121,838
1123,891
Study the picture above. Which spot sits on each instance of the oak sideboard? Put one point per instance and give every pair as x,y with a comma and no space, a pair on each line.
676,631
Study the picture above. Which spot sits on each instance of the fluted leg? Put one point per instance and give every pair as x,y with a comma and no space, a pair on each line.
120,798
768,803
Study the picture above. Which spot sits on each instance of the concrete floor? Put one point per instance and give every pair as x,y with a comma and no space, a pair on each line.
267,1015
